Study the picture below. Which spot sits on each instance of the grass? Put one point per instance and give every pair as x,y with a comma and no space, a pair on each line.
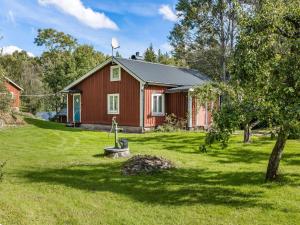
58,175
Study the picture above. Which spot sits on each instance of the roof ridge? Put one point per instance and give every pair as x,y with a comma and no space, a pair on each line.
167,65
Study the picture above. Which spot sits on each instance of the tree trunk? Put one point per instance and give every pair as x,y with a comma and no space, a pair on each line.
247,133
223,41
275,157
248,130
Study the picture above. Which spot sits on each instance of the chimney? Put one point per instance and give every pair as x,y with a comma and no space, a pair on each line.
137,56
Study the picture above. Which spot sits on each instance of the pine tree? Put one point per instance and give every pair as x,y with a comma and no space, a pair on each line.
150,55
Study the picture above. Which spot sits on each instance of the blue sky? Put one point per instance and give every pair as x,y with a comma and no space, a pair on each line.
135,23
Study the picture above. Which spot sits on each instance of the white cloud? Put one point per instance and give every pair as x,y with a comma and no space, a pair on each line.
85,15
167,13
11,17
8,50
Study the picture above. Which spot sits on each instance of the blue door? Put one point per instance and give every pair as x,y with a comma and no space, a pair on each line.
77,108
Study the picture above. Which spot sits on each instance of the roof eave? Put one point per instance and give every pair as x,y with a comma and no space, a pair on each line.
17,86
74,83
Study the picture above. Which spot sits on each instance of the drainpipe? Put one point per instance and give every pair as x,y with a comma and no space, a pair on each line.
190,111
206,116
142,99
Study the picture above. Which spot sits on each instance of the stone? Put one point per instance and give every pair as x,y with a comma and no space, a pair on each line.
113,152
145,164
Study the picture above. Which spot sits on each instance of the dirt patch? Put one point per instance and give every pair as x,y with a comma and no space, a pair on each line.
11,119
146,164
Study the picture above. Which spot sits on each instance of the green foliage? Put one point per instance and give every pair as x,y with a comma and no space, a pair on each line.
267,60
27,72
294,132
54,40
150,55
5,97
86,58
205,34
63,62
226,121
202,149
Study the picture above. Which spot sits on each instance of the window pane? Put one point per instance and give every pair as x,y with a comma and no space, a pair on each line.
154,104
115,73
116,103
111,103
160,104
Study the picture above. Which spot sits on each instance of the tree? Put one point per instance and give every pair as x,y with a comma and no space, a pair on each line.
149,54
118,55
166,59
205,35
59,69
63,62
267,62
86,58
238,109
54,40
4,94
27,72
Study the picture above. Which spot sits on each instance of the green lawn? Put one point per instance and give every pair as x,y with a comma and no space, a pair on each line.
56,175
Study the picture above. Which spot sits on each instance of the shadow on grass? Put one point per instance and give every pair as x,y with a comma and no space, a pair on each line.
175,187
50,125
184,143
251,155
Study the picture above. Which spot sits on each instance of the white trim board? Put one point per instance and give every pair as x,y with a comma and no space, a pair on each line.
98,68
108,104
142,99
87,74
111,73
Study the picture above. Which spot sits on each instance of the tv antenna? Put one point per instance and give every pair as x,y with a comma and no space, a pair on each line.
114,45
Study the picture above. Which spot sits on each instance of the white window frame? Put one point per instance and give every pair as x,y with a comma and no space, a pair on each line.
163,104
111,73
108,104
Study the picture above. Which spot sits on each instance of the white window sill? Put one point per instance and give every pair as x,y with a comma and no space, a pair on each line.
158,114
115,80
113,113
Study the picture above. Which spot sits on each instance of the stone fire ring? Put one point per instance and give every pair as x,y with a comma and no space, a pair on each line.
113,152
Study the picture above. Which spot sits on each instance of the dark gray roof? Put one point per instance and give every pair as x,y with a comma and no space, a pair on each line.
163,74
179,89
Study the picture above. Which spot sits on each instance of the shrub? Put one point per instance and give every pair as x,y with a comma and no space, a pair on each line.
294,132
172,123
5,97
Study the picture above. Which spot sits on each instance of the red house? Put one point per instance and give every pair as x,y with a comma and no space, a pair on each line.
138,93
15,91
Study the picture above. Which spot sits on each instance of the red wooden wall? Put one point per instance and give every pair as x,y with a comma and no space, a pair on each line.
12,88
94,98
149,119
177,103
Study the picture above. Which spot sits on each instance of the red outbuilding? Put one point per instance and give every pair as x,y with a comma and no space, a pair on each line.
138,93
15,92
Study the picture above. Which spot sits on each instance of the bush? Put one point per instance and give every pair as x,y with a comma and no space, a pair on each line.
172,123
5,97
294,132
